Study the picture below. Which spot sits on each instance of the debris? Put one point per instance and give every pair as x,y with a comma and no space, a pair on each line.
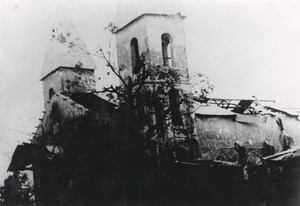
293,153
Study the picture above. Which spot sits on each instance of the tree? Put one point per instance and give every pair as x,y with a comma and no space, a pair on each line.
157,113
153,87
149,96
17,189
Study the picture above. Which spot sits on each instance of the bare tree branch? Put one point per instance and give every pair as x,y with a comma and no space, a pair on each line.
113,69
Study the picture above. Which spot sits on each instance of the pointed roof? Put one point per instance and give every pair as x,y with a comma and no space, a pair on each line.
61,52
129,10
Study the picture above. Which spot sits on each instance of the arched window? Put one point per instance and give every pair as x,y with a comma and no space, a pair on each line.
166,49
51,93
134,49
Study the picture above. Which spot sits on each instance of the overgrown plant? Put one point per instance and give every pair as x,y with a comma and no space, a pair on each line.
151,96
17,190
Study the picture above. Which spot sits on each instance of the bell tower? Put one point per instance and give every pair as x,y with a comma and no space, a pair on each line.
156,27
153,26
67,66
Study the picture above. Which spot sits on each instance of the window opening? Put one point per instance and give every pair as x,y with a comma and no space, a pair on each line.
51,93
134,49
166,49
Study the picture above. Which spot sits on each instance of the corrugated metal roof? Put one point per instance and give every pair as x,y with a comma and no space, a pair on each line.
59,52
129,10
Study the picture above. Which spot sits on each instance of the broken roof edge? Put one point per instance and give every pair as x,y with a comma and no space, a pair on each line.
64,67
213,110
92,95
252,98
216,115
282,153
118,29
27,160
260,106
283,111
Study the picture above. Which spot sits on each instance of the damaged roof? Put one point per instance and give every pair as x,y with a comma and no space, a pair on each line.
247,106
92,102
24,155
72,106
280,110
291,154
213,110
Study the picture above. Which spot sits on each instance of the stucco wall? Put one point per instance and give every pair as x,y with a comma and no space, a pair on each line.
65,110
68,80
250,130
148,30
173,25
123,39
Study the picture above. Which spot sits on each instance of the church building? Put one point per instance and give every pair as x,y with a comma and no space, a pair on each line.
80,131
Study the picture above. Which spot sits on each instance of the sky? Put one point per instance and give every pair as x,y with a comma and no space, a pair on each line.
245,47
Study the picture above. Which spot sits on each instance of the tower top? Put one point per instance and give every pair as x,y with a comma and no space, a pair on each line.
65,49
130,10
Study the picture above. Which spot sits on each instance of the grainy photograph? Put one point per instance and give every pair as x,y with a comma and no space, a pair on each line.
150,102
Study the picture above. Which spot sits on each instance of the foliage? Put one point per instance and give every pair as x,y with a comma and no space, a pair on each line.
18,189
2,191
149,94
154,108
156,100
201,86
